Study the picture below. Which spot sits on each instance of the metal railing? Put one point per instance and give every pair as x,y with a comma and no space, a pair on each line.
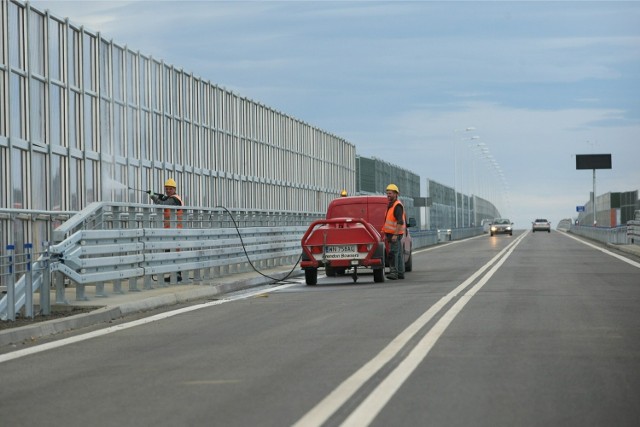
112,243
615,235
633,229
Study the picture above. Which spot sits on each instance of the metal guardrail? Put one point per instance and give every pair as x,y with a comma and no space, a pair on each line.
422,238
98,257
628,234
450,234
633,232
615,235
115,242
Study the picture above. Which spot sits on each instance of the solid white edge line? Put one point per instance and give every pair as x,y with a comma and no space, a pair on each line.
320,413
444,245
71,340
620,257
366,412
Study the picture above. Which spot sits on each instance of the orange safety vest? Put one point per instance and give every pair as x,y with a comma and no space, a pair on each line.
167,215
390,223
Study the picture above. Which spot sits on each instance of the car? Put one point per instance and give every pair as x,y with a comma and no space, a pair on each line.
541,224
486,225
501,226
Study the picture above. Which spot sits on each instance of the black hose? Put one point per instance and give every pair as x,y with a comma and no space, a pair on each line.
284,279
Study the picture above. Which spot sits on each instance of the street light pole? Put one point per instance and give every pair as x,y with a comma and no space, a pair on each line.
455,171
465,214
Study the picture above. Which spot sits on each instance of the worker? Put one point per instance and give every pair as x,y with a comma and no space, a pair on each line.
343,193
394,229
170,198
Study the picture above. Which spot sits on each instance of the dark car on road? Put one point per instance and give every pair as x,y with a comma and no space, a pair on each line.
501,226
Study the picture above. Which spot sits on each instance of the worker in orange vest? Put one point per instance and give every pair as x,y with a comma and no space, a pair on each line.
170,198
394,229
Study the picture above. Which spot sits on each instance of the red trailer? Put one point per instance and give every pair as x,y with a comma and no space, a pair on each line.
350,237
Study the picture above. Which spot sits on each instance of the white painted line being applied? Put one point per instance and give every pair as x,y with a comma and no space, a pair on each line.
366,412
320,413
78,338
620,257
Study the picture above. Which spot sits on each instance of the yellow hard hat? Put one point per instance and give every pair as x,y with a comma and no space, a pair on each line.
393,187
343,193
170,183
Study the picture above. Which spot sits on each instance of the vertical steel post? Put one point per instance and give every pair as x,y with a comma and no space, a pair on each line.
28,281
11,285
45,286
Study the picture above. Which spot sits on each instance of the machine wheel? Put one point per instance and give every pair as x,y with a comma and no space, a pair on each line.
311,276
378,275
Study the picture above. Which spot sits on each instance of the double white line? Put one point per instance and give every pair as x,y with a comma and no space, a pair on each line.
380,396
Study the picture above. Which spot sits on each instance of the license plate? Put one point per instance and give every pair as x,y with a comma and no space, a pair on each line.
341,252
340,248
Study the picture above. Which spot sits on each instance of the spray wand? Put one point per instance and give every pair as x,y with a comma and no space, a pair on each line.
151,193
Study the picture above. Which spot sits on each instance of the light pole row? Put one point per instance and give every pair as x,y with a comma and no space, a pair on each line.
455,170
486,190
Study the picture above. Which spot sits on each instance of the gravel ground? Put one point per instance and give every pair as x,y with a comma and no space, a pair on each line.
56,313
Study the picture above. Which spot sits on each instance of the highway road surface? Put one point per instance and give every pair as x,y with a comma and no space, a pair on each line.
531,330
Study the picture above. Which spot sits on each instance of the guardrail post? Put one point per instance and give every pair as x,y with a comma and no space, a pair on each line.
147,282
133,284
197,275
58,279
80,295
28,282
11,285
117,286
45,287
99,290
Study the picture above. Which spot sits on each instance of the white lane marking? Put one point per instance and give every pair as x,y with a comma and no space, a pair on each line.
366,412
444,245
620,257
71,340
320,413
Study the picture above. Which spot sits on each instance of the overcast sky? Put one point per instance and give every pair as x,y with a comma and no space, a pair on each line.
538,81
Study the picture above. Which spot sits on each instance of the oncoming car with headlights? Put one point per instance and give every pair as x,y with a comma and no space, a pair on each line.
501,226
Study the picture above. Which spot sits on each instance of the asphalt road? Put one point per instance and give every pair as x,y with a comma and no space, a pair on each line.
530,330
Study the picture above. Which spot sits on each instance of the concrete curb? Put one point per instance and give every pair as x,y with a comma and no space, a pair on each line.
51,327
109,313
629,249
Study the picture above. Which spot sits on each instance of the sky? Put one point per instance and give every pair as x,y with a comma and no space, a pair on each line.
494,98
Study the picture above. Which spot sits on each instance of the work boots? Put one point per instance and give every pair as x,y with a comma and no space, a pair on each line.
393,274
168,279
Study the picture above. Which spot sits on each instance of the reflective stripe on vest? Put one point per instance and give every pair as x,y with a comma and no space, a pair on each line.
390,223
